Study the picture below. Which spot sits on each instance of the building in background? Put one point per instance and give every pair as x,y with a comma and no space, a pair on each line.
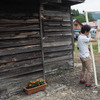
76,28
92,24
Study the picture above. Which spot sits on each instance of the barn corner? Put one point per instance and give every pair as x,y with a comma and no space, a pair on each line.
36,39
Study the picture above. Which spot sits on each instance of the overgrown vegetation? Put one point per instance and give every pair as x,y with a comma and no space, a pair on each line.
80,16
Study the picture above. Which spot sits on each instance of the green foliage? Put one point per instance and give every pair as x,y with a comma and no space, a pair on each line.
90,17
95,47
32,84
75,12
81,17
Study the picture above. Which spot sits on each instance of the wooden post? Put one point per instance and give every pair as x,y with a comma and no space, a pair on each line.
93,60
42,41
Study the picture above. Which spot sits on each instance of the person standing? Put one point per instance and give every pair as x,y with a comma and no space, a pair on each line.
85,58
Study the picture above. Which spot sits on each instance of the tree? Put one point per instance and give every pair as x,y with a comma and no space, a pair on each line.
75,12
90,17
80,16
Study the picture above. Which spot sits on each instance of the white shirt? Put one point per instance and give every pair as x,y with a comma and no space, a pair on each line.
83,41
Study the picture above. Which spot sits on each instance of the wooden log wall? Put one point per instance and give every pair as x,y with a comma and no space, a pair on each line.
57,42
21,53
20,49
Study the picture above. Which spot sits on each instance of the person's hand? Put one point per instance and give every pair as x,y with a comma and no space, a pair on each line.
98,30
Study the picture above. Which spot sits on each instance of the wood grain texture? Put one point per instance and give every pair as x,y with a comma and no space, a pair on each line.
21,49
57,41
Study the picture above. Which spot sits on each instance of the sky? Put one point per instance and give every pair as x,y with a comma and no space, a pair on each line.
88,5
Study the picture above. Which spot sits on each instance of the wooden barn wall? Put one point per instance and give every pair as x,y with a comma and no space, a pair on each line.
20,47
21,53
58,38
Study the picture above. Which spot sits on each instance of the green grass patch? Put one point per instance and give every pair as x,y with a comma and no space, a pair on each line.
94,45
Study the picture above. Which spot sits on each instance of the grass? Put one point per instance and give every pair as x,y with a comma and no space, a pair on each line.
94,45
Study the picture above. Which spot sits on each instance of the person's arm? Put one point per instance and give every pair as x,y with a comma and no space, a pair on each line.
96,36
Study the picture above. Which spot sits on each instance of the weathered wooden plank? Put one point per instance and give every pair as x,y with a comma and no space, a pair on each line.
52,24
57,54
51,34
15,65
20,57
20,71
22,28
19,35
67,32
66,19
57,24
66,24
57,59
19,16
13,21
61,43
57,27
57,39
24,49
19,78
56,19
53,20
57,30
59,48
34,25
55,13
15,43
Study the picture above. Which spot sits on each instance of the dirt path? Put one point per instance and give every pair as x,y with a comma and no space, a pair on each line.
73,90
64,86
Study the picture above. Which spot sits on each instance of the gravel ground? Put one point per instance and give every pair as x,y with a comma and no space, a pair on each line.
64,86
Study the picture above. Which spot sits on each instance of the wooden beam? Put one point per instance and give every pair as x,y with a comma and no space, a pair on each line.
57,30
55,13
20,57
22,28
57,54
58,48
27,63
57,59
19,35
20,71
61,43
24,49
27,21
17,43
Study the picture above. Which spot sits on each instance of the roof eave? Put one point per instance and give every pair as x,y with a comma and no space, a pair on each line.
73,2
65,2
